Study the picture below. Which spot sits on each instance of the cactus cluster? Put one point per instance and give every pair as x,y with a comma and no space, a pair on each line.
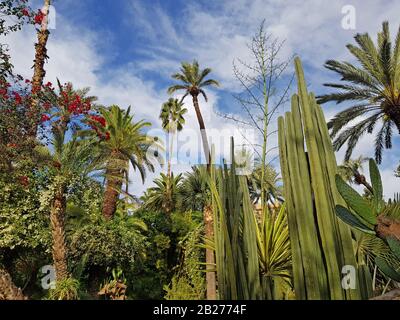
321,244
373,216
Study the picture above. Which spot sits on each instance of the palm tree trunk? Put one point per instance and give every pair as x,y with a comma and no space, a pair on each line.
210,259
171,148
203,131
208,215
113,187
57,220
38,67
8,290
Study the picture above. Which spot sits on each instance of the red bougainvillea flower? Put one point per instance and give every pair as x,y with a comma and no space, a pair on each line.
99,119
39,17
48,85
45,118
107,137
18,98
25,12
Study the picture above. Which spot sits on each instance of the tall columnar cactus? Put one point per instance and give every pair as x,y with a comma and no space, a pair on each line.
321,244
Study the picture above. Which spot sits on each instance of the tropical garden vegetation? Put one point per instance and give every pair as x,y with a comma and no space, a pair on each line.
71,228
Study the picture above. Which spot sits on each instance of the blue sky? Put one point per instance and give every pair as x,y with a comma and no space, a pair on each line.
126,50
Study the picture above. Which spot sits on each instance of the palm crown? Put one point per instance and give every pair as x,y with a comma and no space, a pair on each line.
192,80
375,86
172,115
127,142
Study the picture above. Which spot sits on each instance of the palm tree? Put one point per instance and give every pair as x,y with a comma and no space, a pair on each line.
70,160
164,196
172,116
8,290
194,194
351,171
40,58
193,83
122,142
375,86
271,180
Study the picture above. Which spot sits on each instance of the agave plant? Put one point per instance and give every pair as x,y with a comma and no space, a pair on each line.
373,217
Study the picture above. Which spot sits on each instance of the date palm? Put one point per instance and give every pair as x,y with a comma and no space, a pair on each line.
373,88
40,58
164,196
172,117
194,194
124,141
192,82
71,160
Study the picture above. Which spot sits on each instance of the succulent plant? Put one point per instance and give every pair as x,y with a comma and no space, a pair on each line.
373,216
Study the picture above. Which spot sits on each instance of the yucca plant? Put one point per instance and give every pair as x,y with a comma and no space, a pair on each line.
373,217
274,253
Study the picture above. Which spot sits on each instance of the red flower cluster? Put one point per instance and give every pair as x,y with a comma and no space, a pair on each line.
18,98
45,118
95,121
99,119
39,17
75,104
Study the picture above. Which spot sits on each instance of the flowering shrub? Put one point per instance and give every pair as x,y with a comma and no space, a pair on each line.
19,10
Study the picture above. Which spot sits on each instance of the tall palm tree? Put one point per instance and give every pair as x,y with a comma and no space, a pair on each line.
68,161
40,58
172,116
375,86
192,82
123,141
351,171
164,196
